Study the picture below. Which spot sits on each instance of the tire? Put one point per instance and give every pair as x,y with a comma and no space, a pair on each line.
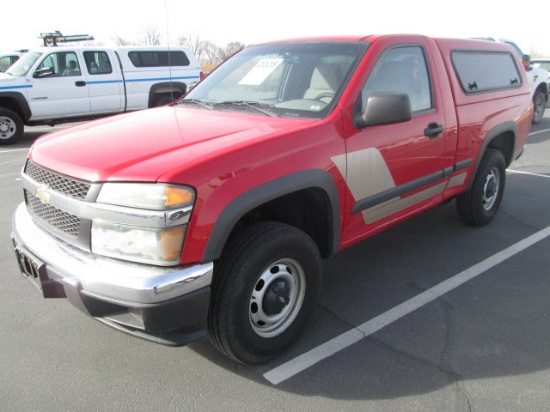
478,205
11,127
539,105
265,289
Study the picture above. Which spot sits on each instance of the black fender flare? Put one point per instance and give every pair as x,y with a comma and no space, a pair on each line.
264,193
21,106
506,127
171,85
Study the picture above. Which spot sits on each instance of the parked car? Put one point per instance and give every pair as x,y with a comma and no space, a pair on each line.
543,64
210,217
8,58
537,77
52,85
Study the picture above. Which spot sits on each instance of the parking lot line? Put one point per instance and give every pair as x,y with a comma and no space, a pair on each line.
14,150
538,132
527,173
321,352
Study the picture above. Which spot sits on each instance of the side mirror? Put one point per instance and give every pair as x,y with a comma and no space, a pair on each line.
386,108
527,62
44,72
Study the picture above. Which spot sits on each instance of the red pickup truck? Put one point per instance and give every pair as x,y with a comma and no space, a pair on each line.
211,216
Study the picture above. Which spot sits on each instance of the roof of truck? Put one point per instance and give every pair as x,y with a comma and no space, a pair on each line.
369,38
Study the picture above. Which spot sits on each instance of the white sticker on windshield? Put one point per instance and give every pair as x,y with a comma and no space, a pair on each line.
260,72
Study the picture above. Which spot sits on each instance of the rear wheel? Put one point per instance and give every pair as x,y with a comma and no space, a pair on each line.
539,104
265,288
11,127
480,203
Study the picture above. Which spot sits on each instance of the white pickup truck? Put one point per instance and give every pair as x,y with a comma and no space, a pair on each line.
538,80
52,85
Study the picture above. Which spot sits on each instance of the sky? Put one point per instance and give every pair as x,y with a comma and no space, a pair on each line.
247,22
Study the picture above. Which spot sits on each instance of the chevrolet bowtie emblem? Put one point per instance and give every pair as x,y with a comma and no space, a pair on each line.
43,194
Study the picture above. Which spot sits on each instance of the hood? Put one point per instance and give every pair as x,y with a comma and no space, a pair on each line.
143,145
7,78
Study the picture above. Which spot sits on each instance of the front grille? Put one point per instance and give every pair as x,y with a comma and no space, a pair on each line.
58,220
68,186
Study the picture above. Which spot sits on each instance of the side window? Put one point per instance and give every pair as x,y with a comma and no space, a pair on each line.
401,70
62,64
50,62
72,68
480,71
5,63
158,58
97,62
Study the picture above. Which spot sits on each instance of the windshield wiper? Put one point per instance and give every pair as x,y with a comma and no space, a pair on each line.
259,107
196,102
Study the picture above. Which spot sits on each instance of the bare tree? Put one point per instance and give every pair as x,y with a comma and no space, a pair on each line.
151,36
211,53
229,51
196,45
207,52
121,42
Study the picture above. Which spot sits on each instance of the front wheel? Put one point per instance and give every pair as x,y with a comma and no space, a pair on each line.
265,288
480,203
11,127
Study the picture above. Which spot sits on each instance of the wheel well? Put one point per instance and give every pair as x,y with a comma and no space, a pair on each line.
543,87
505,143
172,90
13,105
309,210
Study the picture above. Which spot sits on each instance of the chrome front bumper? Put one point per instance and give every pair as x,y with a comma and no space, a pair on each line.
135,298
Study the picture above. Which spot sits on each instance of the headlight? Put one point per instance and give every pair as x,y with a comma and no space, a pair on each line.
157,236
158,247
152,196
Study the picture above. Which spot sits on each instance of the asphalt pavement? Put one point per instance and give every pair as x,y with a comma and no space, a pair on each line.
429,315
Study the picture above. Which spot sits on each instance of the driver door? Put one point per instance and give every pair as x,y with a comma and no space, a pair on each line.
394,170
58,87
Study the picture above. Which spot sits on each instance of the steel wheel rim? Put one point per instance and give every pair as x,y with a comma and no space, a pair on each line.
7,128
491,189
268,313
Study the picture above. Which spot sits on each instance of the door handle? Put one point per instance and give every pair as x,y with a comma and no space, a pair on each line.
80,83
433,130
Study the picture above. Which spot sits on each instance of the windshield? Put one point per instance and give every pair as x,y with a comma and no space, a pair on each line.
22,66
284,79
